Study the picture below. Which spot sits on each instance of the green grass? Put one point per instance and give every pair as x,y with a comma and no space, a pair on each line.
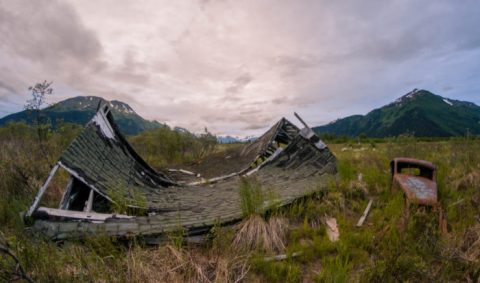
379,251
252,197
282,271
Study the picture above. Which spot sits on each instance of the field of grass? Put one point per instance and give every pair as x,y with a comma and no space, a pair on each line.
382,250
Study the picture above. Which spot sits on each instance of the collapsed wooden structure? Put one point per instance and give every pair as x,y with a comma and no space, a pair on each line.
105,170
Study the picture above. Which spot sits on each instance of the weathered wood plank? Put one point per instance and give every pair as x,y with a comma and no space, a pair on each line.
65,202
89,202
282,256
182,171
42,190
365,214
92,216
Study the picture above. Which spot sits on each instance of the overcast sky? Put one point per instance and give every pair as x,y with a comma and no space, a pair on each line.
239,66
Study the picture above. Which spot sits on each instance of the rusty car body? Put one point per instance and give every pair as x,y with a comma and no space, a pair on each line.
417,179
420,187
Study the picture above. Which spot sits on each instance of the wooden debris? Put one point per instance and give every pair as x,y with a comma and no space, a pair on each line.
301,120
36,202
89,202
282,256
212,180
293,163
309,134
365,214
332,229
183,171
65,202
71,214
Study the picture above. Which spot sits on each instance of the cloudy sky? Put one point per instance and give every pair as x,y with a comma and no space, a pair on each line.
238,66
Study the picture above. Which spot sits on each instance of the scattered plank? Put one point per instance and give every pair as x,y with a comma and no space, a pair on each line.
182,171
281,257
365,214
212,180
332,229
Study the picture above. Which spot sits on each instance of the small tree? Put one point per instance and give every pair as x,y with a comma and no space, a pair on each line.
208,141
39,91
33,106
362,137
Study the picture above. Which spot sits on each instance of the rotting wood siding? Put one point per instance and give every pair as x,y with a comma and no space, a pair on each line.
105,162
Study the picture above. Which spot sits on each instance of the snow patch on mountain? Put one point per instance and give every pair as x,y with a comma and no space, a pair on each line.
121,107
447,102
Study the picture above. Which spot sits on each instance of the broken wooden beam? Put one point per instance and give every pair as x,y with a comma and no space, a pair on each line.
42,190
301,120
332,229
80,215
89,202
212,180
183,171
365,214
309,134
282,256
65,202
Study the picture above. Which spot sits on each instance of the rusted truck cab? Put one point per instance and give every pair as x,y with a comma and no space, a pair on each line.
417,179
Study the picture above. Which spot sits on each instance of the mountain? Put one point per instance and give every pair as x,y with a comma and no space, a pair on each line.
232,139
80,110
419,112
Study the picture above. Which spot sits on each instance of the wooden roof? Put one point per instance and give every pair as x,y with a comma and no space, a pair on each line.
101,158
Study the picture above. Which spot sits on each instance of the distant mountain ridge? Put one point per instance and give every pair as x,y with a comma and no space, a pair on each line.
235,139
80,109
418,112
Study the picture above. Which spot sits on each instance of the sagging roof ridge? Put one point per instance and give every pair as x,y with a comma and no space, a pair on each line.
105,123
104,115
293,167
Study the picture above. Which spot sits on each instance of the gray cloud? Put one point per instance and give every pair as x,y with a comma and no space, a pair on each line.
6,88
239,66
48,32
254,127
448,88
132,70
281,100
44,40
239,83
295,65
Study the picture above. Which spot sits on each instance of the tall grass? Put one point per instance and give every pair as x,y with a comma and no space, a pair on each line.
254,232
252,197
380,251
